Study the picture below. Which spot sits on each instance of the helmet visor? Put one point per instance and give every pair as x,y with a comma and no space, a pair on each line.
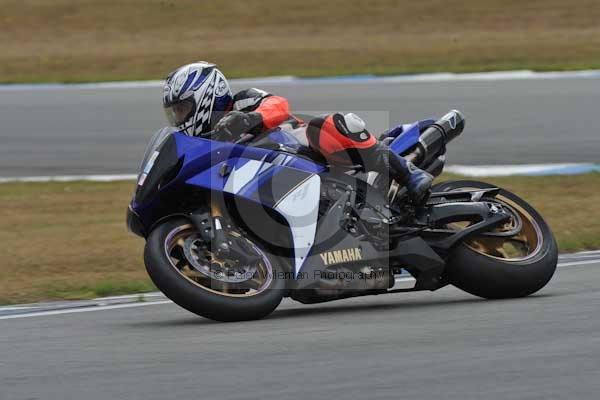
179,112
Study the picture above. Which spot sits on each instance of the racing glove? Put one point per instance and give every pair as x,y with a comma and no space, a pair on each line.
236,123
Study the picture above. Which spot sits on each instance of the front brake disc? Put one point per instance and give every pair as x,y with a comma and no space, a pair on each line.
205,262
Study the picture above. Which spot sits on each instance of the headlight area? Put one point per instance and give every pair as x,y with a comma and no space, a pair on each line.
160,169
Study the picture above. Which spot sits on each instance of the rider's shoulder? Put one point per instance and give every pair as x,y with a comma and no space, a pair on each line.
251,93
249,99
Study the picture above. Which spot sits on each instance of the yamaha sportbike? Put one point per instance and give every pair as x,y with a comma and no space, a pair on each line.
233,228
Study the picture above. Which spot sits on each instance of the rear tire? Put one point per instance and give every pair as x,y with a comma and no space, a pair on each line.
196,298
496,278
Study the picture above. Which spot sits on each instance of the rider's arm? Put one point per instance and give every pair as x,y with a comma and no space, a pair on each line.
273,110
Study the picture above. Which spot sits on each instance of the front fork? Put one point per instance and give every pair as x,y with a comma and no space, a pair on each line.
210,225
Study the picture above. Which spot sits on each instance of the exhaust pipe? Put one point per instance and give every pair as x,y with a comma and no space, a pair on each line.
433,141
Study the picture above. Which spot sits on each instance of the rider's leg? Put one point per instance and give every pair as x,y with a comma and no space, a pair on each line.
417,182
345,139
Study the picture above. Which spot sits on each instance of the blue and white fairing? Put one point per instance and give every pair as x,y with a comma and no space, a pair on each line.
278,180
275,183
406,136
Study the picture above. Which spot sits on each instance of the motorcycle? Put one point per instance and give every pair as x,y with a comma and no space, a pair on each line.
233,228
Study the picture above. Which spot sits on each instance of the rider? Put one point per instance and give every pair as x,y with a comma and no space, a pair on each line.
197,100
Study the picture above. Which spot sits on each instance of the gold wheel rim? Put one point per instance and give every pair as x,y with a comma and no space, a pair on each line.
259,283
522,246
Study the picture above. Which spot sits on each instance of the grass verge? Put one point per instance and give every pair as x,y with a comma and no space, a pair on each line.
96,40
69,241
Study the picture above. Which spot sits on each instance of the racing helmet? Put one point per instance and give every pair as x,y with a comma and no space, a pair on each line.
195,97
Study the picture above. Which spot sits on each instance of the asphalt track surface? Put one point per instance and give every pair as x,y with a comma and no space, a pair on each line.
446,344
88,131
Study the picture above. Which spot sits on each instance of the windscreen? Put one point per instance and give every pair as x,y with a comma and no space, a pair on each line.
157,139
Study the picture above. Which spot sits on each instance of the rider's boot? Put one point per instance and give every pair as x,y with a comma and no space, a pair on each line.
417,182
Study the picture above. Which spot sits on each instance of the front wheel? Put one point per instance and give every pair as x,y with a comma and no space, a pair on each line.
515,260
184,268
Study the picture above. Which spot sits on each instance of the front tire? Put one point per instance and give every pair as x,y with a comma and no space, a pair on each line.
482,270
224,306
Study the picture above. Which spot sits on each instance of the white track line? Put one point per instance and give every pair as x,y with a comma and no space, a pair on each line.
474,170
82,310
580,257
577,263
345,80
523,169
161,302
584,252
70,178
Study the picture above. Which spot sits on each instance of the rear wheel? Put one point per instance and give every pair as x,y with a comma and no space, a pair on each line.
185,269
515,260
